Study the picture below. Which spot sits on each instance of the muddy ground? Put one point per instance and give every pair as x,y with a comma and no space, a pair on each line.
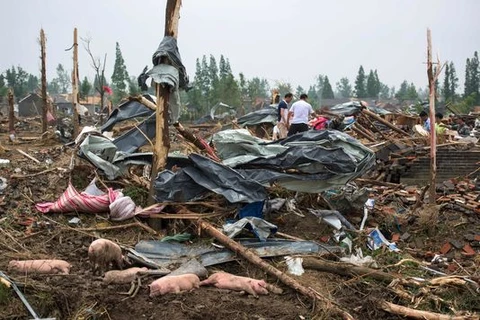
27,234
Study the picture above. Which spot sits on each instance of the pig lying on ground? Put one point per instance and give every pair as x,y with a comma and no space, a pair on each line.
223,280
122,276
102,253
41,266
174,284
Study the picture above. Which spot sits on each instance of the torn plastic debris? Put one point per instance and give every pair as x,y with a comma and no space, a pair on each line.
294,265
358,259
261,228
333,218
128,110
162,254
254,209
92,200
347,199
181,237
167,75
265,115
202,176
320,160
376,240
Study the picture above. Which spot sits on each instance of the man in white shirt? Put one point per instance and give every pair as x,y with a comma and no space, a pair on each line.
301,111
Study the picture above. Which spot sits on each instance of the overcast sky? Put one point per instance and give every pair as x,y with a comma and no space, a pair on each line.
281,40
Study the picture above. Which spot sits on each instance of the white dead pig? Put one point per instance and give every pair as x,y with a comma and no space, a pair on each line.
223,280
102,253
40,266
122,276
174,284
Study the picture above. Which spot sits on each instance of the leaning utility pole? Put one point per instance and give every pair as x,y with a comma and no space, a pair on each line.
75,84
11,112
162,139
44,82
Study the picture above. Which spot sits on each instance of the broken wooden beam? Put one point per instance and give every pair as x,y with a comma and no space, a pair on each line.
384,122
147,103
420,314
198,142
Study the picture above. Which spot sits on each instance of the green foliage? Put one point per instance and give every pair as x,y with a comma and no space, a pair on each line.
360,85
313,96
284,88
3,86
17,78
133,88
85,88
344,88
327,92
62,80
373,84
472,78
385,91
465,106
406,92
120,78
299,90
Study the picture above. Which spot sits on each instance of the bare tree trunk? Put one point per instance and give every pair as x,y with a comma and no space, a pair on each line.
11,112
433,138
162,139
75,84
44,82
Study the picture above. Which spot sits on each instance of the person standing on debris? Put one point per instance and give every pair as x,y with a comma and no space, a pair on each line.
282,111
301,111
426,120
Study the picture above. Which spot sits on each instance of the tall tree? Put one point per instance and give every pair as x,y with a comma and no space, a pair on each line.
453,82
100,82
62,79
85,88
412,92
327,92
468,87
344,88
284,88
3,86
360,85
475,76
17,78
447,94
120,76
299,90
378,84
257,88
32,83
242,82
402,93
371,85
385,92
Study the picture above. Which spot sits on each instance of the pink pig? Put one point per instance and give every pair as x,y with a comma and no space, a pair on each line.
223,280
174,284
122,276
102,253
40,266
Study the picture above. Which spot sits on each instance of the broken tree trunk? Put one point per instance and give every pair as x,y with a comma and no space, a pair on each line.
75,84
198,142
44,82
384,122
433,140
344,269
251,257
419,314
11,112
162,139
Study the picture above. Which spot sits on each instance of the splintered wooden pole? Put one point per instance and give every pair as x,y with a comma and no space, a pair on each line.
384,122
11,111
162,139
433,138
251,257
44,81
75,84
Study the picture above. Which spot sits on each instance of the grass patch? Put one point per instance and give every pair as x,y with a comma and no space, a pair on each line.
138,195
5,294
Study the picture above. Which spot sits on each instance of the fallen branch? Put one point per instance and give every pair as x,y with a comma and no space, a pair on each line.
28,156
420,314
378,183
120,227
286,279
20,176
198,142
344,269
